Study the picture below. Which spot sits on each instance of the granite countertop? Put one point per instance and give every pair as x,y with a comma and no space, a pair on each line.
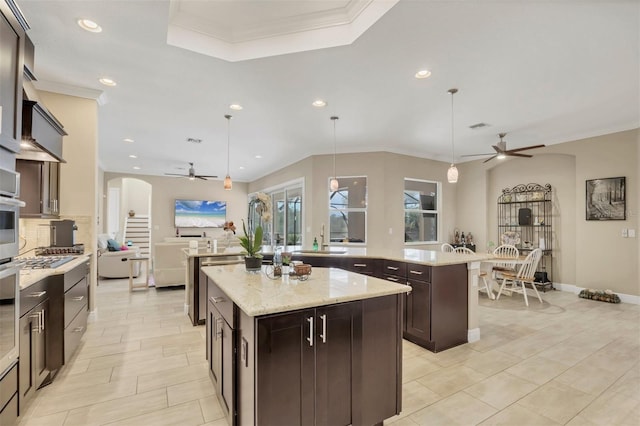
205,252
256,294
29,277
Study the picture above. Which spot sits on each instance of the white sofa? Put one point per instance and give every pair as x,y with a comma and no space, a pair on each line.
114,264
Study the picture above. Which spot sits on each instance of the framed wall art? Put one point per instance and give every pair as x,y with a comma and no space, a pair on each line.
606,199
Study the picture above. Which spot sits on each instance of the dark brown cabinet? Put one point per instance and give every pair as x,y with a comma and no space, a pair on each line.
34,346
11,63
417,324
304,371
221,348
9,396
39,188
76,298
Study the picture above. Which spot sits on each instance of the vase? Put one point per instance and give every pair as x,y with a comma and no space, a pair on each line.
253,264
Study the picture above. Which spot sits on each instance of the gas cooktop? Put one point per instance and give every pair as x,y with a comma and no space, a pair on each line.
46,262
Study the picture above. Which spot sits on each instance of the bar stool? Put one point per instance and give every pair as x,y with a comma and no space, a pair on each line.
142,285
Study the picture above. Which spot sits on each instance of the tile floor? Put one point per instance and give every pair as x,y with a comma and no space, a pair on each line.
571,361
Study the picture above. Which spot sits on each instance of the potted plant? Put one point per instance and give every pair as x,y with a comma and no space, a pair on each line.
252,244
286,261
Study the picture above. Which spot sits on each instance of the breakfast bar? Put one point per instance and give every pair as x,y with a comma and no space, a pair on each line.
284,351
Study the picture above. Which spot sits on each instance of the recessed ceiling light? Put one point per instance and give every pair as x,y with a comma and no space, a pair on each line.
258,156
133,156
235,107
136,168
241,167
319,103
107,81
423,74
127,140
89,25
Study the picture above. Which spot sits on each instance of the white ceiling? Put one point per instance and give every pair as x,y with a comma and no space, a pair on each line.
544,72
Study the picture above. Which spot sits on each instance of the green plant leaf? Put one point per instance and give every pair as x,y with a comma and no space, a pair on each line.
257,242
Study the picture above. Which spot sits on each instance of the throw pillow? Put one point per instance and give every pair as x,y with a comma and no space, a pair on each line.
112,245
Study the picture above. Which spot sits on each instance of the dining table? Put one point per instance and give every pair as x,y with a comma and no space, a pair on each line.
491,267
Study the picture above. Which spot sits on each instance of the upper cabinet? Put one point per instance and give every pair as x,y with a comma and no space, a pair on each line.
12,35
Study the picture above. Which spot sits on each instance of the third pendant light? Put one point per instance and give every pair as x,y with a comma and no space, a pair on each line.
227,179
334,185
452,173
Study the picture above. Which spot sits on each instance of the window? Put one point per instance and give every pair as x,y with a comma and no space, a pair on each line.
285,224
421,211
348,211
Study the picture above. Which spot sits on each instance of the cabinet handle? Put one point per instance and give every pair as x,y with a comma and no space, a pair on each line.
38,294
415,272
323,336
310,338
360,265
218,328
42,320
78,329
36,316
393,268
77,299
218,299
394,279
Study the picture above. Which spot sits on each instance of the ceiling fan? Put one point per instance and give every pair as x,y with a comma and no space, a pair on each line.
502,151
192,174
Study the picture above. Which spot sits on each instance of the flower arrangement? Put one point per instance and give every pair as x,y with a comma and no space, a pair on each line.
262,204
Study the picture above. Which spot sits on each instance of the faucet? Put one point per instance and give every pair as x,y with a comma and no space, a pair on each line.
323,246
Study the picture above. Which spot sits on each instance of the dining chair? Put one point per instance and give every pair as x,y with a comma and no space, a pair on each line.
507,251
446,247
463,250
524,276
482,274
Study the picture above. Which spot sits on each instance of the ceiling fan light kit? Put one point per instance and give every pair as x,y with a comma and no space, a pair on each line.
501,151
192,174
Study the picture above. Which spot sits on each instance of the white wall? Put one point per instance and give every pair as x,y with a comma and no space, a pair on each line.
165,190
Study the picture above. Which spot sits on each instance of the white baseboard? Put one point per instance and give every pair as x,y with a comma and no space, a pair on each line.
473,335
624,298
186,309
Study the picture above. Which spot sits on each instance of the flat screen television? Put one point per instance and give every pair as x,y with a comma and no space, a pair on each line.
200,214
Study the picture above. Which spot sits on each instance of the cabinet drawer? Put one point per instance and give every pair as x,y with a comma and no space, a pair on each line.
75,275
395,279
419,272
73,333
222,303
9,415
361,265
393,267
75,300
32,295
8,385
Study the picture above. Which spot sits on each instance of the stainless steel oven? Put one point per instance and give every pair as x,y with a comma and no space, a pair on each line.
9,236
9,312
9,183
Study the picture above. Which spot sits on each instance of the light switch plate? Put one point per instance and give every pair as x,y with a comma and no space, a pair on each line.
625,233
632,233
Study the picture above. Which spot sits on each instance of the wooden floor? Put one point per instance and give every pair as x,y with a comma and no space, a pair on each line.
572,361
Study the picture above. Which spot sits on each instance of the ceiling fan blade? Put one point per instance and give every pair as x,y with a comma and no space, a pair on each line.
497,148
206,176
525,148
513,154
200,177
490,158
175,174
476,155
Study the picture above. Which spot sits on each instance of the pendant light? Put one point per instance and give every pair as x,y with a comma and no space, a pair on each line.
452,173
227,179
334,185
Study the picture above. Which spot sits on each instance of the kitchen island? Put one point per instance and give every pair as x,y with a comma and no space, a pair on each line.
327,350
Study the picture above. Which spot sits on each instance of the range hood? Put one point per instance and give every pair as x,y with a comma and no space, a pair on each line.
41,132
